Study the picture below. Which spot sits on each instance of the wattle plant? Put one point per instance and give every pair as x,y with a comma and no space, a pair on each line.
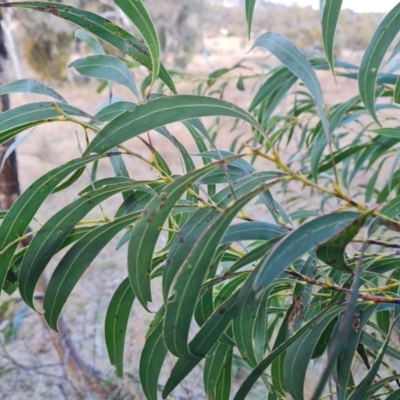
319,282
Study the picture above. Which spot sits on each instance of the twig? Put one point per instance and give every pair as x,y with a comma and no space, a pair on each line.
362,295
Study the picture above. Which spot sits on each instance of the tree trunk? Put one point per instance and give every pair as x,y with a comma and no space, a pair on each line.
9,192
9,185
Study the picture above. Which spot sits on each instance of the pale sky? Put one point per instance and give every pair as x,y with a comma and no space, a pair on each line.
356,5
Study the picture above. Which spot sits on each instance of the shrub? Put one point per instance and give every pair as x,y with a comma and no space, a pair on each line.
267,296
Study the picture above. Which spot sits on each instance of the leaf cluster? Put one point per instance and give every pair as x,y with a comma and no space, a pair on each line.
319,276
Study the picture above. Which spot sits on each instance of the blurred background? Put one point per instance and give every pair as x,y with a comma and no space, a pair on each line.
188,29
198,38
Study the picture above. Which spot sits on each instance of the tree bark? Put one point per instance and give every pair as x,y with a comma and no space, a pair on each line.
9,184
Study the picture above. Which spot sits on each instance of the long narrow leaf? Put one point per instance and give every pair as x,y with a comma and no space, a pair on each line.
362,388
199,222
74,264
300,241
106,67
348,353
202,343
116,323
138,14
26,206
212,368
187,288
30,86
373,57
160,112
322,319
152,357
54,232
330,19
90,40
295,60
27,116
332,251
146,231
250,4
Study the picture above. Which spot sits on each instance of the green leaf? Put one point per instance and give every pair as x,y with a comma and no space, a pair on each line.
213,367
106,182
138,14
383,320
224,382
213,77
325,338
254,255
55,230
396,94
205,305
112,111
346,358
70,181
102,28
75,262
260,328
106,67
295,60
321,8
277,372
27,116
272,204
277,79
137,201
250,4
373,57
362,388
152,357
220,176
302,296
192,273
272,102
75,235
381,383
240,84
12,148
321,321
339,339
330,20
388,132
320,141
147,229
300,241
298,357
26,206
375,344
303,214
116,324
252,231
202,343
160,112
90,40
332,252
244,319
394,396
30,86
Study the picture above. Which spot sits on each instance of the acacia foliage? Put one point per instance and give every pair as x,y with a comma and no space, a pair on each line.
267,297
